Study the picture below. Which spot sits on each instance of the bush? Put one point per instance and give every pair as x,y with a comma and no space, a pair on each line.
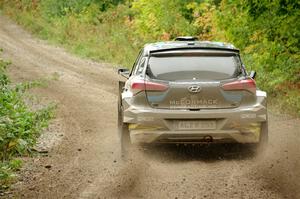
156,19
19,124
7,170
268,35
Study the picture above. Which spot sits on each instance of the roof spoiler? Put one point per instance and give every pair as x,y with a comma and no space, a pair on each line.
194,48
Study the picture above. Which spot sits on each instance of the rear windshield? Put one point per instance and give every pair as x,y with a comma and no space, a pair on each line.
176,68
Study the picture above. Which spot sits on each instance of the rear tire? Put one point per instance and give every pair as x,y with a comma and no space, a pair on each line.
123,130
263,139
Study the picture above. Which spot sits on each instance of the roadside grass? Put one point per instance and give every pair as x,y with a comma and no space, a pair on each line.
288,103
20,124
7,172
111,41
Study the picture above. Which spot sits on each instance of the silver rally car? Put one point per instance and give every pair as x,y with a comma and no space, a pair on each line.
189,91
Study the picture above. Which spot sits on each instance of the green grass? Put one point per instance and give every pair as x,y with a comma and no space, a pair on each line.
111,41
288,103
7,172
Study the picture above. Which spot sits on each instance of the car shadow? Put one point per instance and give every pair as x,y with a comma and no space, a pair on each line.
203,152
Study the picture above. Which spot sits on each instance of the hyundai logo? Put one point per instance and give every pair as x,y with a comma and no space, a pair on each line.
194,89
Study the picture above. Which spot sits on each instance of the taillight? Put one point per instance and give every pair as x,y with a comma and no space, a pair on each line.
141,85
246,84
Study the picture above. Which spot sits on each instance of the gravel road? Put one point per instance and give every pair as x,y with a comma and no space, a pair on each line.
84,157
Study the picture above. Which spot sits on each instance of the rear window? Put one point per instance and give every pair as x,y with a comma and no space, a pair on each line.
176,68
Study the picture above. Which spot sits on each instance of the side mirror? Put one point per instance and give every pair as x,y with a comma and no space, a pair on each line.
252,74
124,72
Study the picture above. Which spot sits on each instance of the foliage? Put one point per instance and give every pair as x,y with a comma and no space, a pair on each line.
7,170
157,19
19,125
267,32
263,27
58,8
201,16
165,20
89,32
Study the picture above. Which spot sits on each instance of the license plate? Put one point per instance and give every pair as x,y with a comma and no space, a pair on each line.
196,125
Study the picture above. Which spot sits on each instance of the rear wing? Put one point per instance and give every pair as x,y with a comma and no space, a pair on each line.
235,51
193,52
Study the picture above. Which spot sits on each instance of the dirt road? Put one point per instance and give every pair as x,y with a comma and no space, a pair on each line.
84,161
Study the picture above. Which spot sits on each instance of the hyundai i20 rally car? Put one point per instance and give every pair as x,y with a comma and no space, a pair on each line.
189,91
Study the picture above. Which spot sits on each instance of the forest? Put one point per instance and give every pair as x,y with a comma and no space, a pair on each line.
266,31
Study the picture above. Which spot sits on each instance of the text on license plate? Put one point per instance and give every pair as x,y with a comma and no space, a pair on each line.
195,125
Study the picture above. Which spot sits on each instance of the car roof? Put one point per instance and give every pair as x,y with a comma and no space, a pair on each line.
188,45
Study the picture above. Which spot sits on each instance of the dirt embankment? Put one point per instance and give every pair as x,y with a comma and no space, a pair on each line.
84,160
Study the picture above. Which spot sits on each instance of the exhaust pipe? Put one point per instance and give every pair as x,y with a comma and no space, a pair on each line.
208,139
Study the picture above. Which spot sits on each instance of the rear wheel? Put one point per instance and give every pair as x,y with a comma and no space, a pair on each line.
123,130
263,140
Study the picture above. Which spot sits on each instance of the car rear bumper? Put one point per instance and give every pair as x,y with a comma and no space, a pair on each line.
242,125
216,136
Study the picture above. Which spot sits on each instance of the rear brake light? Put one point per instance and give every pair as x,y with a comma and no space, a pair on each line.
141,85
247,84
